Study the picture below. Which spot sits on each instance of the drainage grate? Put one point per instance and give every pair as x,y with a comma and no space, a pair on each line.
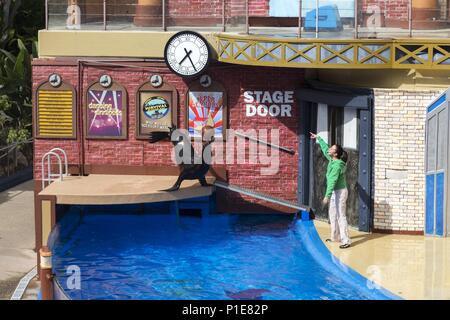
23,284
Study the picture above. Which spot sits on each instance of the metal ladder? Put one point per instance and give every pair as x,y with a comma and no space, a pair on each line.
261,196
50,177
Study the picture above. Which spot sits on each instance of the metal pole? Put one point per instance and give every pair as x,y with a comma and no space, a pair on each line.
164,15
223,16
247,27
45,274
46,14
356,19
300,18
104,14
410,18
317,19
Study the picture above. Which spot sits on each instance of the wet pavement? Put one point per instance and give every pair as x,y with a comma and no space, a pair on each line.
413,267
17,240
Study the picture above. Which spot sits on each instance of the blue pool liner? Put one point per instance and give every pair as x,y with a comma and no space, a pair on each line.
308,235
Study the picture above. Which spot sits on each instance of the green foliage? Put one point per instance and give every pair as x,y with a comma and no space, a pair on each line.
19,23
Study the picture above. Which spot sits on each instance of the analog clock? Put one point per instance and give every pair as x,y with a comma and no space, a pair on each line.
55,80
156,80
187,53
105,81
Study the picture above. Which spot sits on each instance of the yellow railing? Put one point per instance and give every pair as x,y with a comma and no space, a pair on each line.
326,53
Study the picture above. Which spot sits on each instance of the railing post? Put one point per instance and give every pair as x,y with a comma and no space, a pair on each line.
46,14
45,274
410,18
164,27
317,19
7,162
300,18
104,14
223,16
247,26
356,19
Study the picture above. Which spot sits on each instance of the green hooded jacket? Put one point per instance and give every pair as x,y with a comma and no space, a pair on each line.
335,170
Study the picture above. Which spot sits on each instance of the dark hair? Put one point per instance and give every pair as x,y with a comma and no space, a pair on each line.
341,153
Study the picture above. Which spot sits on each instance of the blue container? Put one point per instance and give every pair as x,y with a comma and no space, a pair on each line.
329,19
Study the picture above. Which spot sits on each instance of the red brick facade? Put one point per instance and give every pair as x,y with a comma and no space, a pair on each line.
214,8
391,9
132,152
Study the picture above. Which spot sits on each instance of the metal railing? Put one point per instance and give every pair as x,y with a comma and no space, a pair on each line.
10,157
296,18
50,176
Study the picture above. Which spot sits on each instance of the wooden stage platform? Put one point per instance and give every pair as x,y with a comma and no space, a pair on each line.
103,189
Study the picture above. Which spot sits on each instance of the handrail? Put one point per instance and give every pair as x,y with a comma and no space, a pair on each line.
15,144
49,170
261,196
66,165
271,145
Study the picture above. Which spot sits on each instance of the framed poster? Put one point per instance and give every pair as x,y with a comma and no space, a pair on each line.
106,112
55,112
156,109
206,106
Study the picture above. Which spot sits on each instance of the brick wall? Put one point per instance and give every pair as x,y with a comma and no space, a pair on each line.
391,9
258,7
399,151
208,8
141,153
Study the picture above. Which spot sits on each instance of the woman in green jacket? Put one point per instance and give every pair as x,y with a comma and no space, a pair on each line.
336,193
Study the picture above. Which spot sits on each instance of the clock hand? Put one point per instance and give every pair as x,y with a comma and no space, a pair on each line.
186,56
189,56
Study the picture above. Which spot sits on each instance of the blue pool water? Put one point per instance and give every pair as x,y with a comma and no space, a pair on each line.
162,256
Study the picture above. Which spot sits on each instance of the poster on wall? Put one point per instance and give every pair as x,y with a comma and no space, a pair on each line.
206,108
156,108
106,113
155,112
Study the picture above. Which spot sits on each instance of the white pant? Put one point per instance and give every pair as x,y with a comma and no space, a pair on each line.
336,212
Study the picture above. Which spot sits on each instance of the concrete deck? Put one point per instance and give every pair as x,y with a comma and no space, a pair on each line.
17,256
123,189
413,267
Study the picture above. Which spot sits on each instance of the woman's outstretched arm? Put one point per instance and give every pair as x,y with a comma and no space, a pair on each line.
323,145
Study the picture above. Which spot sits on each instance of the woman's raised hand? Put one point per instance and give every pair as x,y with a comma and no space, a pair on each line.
313,135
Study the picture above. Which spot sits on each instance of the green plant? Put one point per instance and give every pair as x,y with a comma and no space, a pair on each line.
19,23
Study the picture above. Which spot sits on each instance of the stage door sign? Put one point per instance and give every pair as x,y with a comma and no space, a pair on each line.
268,103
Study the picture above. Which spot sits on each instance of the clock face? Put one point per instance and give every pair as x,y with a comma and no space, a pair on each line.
187,53
55,80
105,81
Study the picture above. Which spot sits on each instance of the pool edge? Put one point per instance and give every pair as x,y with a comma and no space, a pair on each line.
319,251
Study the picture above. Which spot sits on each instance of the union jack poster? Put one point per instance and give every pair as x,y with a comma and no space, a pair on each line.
205,108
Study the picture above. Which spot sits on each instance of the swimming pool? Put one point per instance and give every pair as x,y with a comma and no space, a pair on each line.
164,256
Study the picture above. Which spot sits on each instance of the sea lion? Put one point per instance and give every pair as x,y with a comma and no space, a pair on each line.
191,170
248,294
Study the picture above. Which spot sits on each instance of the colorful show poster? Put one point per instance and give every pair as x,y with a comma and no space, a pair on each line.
105,113
156,112
205,108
